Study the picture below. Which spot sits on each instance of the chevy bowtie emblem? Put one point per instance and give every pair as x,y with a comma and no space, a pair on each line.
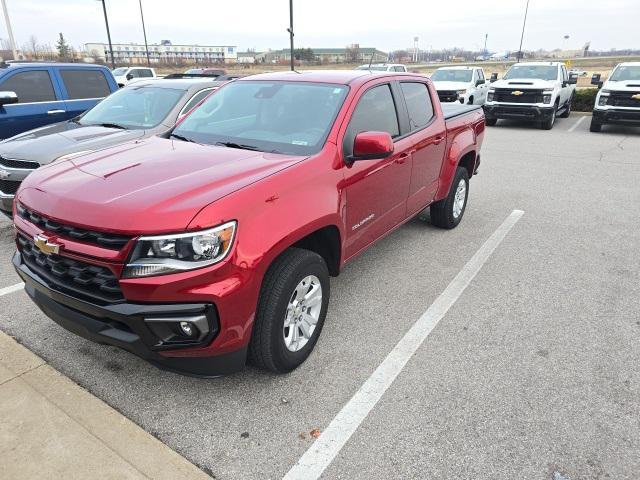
517,93
45,245
635,97
4,174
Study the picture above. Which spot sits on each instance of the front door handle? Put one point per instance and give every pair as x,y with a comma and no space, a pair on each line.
438,140
402,158
54,112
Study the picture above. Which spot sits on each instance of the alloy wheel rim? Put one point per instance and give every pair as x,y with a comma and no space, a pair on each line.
303,312
459,199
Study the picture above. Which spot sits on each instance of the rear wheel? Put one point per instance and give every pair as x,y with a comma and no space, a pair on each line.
291,311
595,126
491,122
447,213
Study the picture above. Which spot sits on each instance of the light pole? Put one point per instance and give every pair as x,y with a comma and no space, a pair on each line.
106,21
9,31
524,24
290,30
144,30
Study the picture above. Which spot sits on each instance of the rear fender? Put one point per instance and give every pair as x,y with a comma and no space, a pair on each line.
464,142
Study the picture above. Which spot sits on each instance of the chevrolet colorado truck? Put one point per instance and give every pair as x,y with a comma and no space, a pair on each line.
618,101
534,91
216,243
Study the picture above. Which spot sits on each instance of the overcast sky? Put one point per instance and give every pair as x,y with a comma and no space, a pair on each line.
388,26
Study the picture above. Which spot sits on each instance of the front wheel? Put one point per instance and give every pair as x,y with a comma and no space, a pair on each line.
595,126
447,213
491,122
291,311
550,122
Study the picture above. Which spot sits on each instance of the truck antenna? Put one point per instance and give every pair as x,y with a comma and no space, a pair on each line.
371,59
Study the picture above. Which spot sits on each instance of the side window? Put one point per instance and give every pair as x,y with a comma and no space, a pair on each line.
399,69
85,84
145,73
565,75
481,75
419,104
197,98
135,73
32,86
376,111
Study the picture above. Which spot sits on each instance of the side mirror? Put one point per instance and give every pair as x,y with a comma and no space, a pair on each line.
596,80
479,82
7,98
129,76
494,77
573,79
371,146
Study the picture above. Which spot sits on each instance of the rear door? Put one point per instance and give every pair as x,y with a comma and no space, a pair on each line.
40,101
427,139
376,190
82,88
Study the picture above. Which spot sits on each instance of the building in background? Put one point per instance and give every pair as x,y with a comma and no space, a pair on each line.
351,54
164,52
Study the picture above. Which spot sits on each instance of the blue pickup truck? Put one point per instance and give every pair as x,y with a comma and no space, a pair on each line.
36,94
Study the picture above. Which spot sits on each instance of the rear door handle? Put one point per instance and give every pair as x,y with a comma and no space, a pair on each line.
53,112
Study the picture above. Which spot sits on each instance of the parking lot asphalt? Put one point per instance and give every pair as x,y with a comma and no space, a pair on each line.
533,373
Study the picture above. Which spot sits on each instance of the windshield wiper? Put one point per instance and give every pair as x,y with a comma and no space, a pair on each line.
238,145
109,125
180,137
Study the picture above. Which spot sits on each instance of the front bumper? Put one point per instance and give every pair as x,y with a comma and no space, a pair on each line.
132,327
619,116
518,112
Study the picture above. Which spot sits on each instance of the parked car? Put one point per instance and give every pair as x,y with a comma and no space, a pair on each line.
137,111
461,84
383,67
37,94
618,101
209,72
125,75
533,91
216,243
578,72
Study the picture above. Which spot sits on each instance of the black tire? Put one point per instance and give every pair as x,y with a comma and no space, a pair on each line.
442,212
550,122
567,110
595,126
470,102
491,122
267,348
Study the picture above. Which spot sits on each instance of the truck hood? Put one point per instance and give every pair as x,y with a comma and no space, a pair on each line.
525,83
623,86
44,145
452,86
150,186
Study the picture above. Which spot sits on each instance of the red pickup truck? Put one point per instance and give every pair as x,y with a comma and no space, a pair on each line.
215,244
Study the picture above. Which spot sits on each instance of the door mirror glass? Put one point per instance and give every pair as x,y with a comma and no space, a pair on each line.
573,79
7,98
596,80
494,77
371,145
129,76
479,82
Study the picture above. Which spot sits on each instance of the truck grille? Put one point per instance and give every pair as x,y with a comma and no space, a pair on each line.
506,95
90,282
106,240
448,96
9,187
624,99
10,163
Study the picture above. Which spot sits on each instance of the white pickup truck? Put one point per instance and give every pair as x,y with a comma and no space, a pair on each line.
618,100
125,75
461,84
535,91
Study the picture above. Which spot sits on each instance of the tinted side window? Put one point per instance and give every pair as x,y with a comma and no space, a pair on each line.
481,75
418,104
33,86
85,84
195,100
145,73
375,112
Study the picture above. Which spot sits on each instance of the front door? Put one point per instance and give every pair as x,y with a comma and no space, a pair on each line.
376,190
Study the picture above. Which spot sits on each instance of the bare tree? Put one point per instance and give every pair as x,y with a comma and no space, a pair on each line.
32,46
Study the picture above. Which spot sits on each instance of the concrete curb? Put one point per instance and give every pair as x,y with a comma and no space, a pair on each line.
51,427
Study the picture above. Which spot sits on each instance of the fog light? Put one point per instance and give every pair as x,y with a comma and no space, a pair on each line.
186,328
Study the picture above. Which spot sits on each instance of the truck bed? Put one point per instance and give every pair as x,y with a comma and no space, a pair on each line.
452,110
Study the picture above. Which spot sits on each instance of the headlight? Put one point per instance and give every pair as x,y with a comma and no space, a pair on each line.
462,92
490,95
604,98
163,254
546,96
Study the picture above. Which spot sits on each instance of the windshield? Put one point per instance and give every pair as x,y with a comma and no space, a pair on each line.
539,72
282,117
452,75
134,107
118,72
623,73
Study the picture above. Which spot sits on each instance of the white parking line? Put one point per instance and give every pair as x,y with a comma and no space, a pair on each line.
577,124
320,455
11,289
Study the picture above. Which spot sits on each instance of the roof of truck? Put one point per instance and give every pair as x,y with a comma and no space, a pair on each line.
342,77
